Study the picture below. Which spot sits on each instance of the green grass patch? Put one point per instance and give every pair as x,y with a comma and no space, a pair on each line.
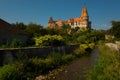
107,67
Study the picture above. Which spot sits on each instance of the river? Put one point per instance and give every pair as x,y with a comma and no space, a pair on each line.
76,70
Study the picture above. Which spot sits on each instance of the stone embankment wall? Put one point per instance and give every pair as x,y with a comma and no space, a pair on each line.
9,55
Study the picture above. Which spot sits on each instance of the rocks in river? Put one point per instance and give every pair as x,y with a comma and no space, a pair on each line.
50,75
40,78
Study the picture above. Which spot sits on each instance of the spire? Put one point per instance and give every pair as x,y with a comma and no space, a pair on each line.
51,20
84,12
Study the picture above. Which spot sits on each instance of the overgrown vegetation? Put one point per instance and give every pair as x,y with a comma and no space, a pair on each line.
114,30
15,43
48,40
30,68
107,67
113,33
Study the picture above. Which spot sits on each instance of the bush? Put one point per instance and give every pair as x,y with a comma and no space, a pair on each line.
84,49
33,67
91,45
56,59
48,40
16,43
67,58
3,46
10,72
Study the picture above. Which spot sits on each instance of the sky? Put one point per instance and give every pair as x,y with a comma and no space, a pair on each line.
101,12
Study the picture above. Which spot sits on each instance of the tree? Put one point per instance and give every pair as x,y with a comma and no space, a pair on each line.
33,29
115,29
20,25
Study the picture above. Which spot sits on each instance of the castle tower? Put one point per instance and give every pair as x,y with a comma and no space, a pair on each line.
51,20
85,23
51,23
84,14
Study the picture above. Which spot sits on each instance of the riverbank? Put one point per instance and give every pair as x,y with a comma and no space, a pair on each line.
108,65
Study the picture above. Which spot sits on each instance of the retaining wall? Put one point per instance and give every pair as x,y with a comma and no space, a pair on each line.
9,55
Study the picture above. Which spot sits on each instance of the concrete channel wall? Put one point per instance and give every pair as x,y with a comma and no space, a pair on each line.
9,55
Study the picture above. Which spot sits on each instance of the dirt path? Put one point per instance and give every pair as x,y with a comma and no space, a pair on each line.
76,69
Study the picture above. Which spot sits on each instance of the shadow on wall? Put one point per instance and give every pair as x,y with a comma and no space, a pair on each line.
9,55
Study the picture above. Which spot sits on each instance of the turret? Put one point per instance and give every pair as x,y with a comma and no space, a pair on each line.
84,14
51,23
51,20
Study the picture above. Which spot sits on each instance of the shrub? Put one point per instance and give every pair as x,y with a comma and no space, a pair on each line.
33,67
48,40
10,72
91,45
81,39
16,43
3,46
84,46
84,49
56,59
67,58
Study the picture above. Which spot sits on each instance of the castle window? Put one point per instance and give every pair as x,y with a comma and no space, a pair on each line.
72,23
76,23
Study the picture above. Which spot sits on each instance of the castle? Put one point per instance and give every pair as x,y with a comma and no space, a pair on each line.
81,22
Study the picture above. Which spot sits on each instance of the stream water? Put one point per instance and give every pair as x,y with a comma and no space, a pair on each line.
77,69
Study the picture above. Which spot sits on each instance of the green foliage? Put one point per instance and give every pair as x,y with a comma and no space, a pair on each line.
82,39
33,29
63,30
10,72
34,67
3,46
107,67
20,25
16,43
91,45
47,40
114,30
29,69
56,59
84,49
87,36
68,58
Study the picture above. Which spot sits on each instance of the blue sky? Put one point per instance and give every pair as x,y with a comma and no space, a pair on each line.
101,12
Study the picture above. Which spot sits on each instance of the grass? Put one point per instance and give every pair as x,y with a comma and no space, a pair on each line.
107,67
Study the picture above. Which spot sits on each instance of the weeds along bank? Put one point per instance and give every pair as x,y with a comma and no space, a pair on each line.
25,69
108,65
